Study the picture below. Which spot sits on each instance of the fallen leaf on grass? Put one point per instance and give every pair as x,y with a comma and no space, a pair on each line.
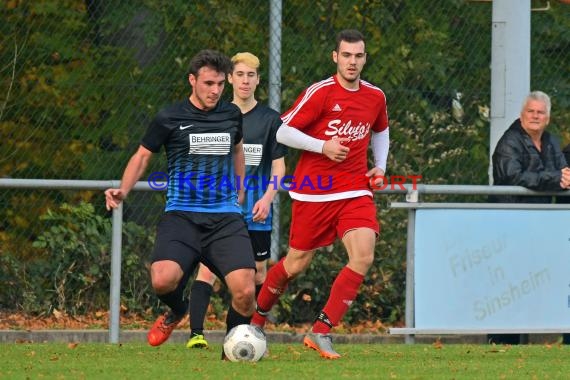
294,351
100,314
72,345
437,344
57,314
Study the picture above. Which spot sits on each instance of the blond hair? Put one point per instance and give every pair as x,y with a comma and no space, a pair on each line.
247,59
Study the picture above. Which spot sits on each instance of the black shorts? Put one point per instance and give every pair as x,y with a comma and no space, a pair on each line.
261,244
220,241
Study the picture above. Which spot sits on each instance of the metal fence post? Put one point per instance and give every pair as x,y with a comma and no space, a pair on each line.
413,197
115,292
275,16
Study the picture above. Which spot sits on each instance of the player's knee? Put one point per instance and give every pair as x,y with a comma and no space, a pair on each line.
165,276
296,263
368,260
163,285
362,263
245,296
249,293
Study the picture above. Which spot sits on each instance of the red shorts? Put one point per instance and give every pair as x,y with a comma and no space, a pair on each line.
318,224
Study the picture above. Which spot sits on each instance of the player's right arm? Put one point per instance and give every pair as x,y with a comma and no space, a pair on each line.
134,170
305,112
297,139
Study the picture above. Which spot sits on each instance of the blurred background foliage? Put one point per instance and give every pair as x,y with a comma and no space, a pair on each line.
81,79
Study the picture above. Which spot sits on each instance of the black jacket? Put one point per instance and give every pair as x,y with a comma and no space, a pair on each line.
517,162
566,152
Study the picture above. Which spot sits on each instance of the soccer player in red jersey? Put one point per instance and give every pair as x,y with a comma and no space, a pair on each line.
334,122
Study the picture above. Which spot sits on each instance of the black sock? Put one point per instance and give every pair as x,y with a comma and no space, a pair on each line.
200,294
234,318
175,300
257,290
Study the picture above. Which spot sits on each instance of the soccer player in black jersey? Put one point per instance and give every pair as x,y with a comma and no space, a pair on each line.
202,136
265,167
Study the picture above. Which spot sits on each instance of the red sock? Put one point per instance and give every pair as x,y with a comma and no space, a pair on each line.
343,292
274,285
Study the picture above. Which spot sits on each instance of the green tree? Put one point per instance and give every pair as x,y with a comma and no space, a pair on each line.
81,79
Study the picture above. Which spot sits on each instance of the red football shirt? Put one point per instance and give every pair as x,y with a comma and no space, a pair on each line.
326,110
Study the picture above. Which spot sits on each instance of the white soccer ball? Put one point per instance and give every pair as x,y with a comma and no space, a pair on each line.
245,343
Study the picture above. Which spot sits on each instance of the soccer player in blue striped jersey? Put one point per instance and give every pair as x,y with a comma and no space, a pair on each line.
203,222
265,167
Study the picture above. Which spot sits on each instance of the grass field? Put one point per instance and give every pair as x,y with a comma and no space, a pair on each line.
286,361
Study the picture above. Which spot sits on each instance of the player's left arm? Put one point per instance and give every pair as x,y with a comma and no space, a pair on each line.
262,207
239,169
380,142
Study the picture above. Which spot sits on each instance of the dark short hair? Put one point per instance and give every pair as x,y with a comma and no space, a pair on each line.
210,58
348,35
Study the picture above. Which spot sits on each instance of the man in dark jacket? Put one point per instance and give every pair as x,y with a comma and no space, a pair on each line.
527,155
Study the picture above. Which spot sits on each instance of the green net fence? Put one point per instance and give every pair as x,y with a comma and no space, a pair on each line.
81,79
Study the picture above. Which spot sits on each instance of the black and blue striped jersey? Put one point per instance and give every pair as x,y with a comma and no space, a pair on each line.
199,149
260,146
